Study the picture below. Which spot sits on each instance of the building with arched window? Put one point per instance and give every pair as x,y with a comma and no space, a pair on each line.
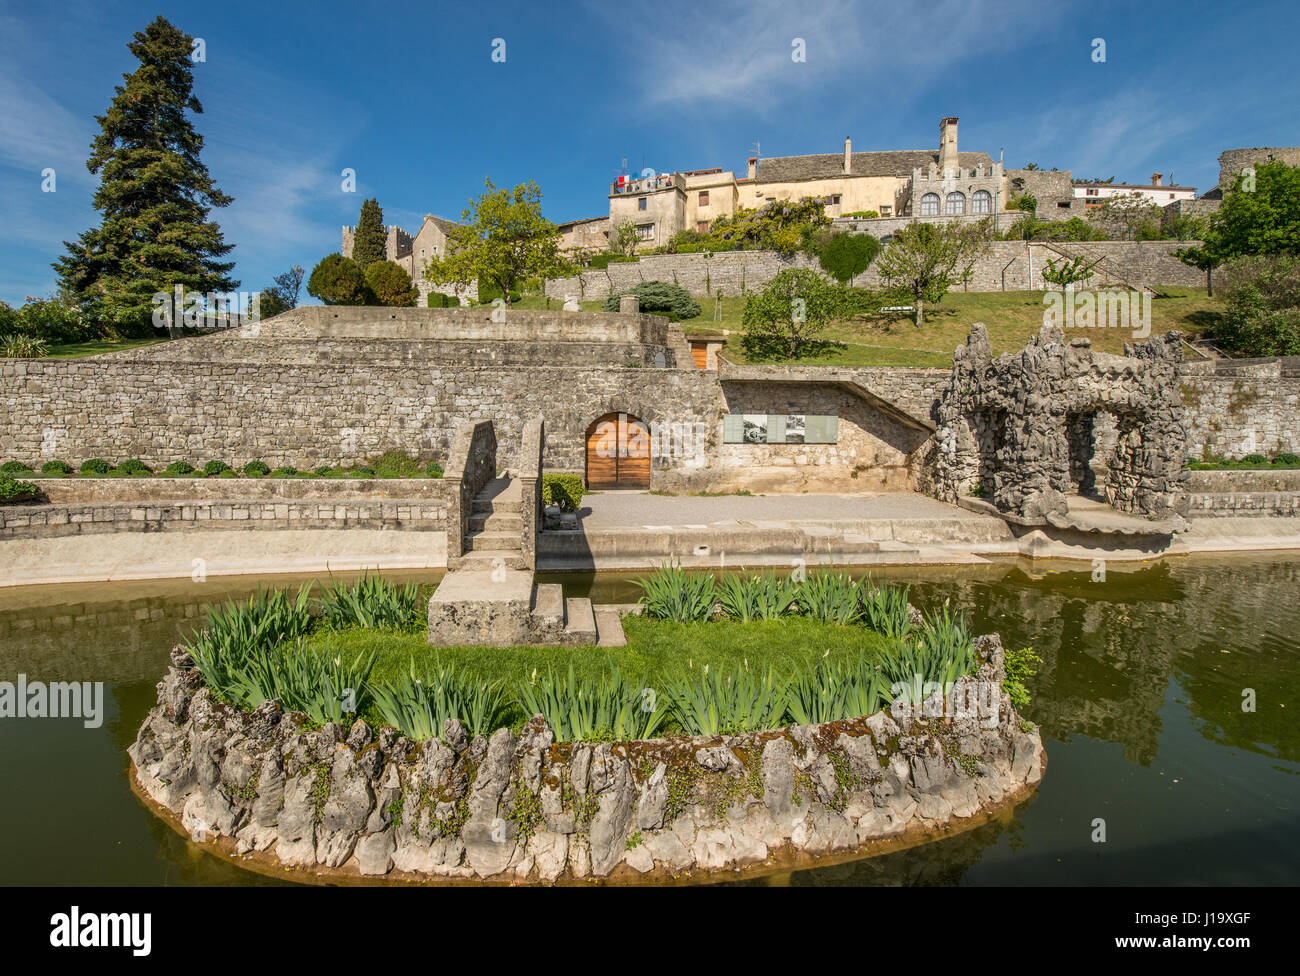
954,204
981,202
930,205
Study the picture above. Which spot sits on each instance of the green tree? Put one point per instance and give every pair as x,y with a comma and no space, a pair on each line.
847,255
283,294
390,285
502,239
788,315
369,240
1259,215
338,281
1262,306
925,260
155,194
1069,272
624,238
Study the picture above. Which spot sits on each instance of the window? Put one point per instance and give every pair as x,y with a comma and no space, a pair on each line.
641,203
955,204
704,198
645,232
1091,191
886,211
833,200
930,205
982,202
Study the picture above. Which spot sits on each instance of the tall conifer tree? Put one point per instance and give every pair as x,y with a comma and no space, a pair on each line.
155,194
368,242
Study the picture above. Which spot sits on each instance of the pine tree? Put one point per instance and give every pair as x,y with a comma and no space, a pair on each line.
155,193
368,242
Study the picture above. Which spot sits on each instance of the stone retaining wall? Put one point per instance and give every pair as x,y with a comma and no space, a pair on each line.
129,491
349,801
1242,504
50,521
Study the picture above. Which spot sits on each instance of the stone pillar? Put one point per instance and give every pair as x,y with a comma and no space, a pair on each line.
629,305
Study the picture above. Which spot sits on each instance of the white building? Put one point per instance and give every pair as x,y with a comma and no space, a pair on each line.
1156,192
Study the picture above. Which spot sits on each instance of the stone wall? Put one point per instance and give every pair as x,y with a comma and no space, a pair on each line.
1242,407
343,802
1005,265
63,491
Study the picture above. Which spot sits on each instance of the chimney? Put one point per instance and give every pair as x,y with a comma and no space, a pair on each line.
753,167
948,159
848,156
1156,178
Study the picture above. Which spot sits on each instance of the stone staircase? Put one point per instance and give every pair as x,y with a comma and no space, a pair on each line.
495,528
489,596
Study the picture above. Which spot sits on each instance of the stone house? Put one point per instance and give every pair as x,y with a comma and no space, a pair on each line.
413,252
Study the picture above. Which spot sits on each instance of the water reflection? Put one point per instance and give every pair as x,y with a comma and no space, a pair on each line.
1139,697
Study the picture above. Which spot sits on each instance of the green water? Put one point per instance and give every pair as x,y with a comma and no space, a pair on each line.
1139,699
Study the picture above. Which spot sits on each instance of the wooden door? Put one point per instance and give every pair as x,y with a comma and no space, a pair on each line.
700,353
618,452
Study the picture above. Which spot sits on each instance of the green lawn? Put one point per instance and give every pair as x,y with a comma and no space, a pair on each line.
654,648
1012,318
80,350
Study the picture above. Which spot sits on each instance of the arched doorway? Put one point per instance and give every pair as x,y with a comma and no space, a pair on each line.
618,452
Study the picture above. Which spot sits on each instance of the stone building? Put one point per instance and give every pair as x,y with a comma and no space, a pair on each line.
412,252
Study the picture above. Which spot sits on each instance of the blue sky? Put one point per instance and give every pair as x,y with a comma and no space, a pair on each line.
407,94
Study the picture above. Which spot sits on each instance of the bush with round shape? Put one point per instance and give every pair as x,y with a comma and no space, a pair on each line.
564,490
214,468
133,467
390,285
659,297
1286,457
12,490
323,471
178,469
96,466
14,467
56,467
256,469
434,470
338,281
845,255
287,471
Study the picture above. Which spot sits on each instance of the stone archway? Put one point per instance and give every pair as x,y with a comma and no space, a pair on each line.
1025,426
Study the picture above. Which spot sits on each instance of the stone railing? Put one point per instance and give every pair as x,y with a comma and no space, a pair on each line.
530,486
471,464
341,802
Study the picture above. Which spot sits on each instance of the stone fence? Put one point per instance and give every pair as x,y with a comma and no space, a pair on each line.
471,464
530,485
338,803
1004,266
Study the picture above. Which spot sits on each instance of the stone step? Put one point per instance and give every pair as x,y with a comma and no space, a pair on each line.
490,506
609,627
502,541
579,620
486,560
548,603
496,522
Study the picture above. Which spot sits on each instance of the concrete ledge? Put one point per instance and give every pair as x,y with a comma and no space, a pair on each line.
125,491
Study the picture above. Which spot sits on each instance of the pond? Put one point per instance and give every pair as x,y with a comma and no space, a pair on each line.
1139,697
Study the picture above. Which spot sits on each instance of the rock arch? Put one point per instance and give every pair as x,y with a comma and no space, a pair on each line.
1023,426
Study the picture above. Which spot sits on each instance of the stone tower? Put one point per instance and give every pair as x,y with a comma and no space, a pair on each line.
948,160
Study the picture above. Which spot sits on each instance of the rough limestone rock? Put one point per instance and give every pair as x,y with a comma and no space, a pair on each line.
371,802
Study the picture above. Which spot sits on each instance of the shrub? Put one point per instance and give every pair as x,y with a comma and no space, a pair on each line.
256,469
214,467
288,471
436,299
53,322
709,702
659,296
396,464
671,593
12,490
96,466
419,703
787,316
322,471
338,281
846,255
434,470
564,490
488,293
1254,459
373,603
178,469
23,347
1286,458
762,596
56,467
229,473
610,707
390,285
133,467
14,467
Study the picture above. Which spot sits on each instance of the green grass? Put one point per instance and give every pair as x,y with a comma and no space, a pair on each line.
97,347
1012,318
655,648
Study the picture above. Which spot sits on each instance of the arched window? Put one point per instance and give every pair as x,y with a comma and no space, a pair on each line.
982,202
930,205
955,204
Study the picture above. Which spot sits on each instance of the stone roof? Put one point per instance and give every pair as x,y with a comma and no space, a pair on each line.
781,169
441,223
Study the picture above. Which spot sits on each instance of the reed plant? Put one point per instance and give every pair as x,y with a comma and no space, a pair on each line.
608,707
671,593
717,702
